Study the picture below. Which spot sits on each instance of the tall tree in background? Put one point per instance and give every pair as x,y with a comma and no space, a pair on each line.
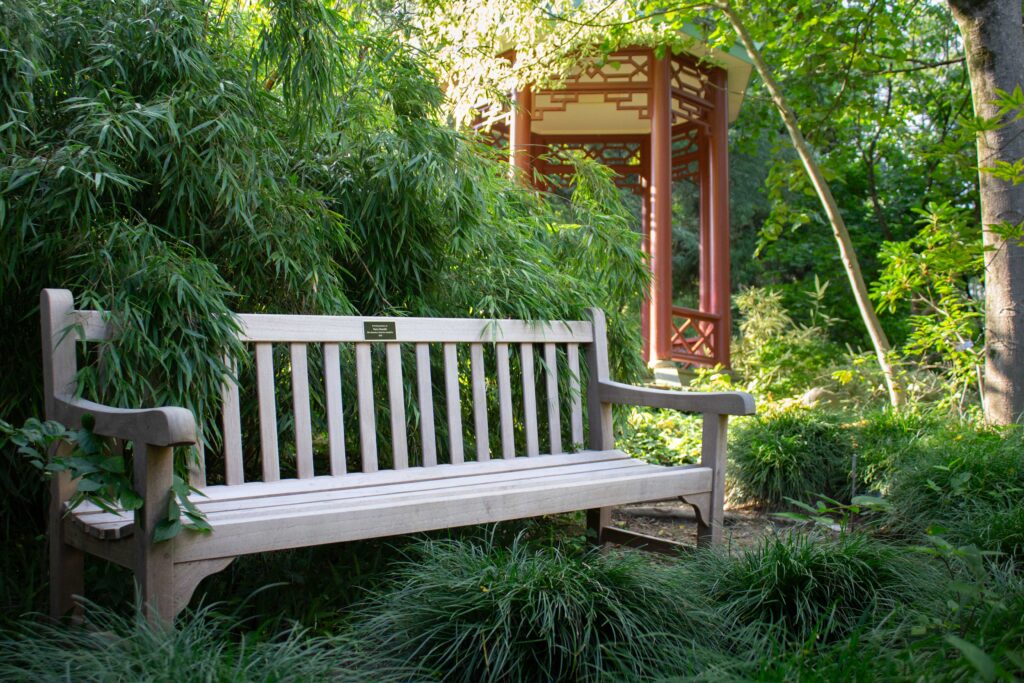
994,46
847,251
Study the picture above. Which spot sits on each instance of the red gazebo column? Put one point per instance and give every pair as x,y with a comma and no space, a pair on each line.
661,209
704,221
521,135
645,246
718,171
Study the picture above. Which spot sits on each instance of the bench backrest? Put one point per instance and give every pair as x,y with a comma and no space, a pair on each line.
520,376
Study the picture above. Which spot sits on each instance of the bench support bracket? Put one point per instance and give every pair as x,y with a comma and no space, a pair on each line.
187,576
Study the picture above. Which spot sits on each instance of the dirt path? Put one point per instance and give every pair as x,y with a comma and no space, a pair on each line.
744,527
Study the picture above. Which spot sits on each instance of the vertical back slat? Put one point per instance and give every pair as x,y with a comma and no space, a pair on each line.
426,401
268,411
396,398
367,419
529,400
454,405
508,442
300,404
476,359
232,429
554,414
572,353
335,416
197,470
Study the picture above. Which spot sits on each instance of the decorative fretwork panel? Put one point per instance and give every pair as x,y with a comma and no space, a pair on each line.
626,158
686,145
690,84
694,336
629,67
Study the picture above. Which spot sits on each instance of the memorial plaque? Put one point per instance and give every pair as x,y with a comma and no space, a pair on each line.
379,331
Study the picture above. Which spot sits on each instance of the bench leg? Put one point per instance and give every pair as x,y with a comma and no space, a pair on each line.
67,564
154,562
597,520
713,455
154,577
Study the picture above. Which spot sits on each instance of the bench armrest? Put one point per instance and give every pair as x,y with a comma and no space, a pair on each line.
153,426
712,402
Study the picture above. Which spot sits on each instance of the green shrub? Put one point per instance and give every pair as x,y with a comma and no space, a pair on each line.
984,633
885,438
469,611
202,647
807,586
662,437
968,484
776,356
789,453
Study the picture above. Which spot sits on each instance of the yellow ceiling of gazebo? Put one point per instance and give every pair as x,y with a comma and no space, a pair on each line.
612,99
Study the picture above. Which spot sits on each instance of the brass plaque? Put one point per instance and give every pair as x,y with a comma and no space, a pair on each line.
379,331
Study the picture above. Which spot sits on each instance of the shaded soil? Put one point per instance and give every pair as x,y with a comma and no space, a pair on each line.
675,521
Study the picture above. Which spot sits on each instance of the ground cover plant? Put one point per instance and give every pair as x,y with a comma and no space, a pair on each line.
790,452
476,611
208,646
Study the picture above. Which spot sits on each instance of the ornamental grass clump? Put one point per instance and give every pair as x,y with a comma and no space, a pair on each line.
203,646
799,586
466,610
794,452
965,484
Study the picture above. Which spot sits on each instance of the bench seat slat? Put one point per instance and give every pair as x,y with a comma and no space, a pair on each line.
292,505
229,509
359,480
411,513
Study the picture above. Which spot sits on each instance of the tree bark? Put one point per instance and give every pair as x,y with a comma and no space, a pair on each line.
847,252
994,46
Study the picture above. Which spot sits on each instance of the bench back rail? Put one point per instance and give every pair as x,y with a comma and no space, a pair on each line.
500,362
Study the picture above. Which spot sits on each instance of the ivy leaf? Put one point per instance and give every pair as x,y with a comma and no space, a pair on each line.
131,500
86,485
198,523
166,530
173,510
114,463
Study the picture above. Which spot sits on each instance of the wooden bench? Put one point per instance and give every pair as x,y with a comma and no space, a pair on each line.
399,490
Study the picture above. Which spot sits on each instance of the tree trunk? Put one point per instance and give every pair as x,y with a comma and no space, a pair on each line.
846,250
994,46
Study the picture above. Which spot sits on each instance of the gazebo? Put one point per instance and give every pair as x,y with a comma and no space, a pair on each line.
654,119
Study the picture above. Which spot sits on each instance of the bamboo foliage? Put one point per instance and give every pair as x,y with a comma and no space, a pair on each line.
174,161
